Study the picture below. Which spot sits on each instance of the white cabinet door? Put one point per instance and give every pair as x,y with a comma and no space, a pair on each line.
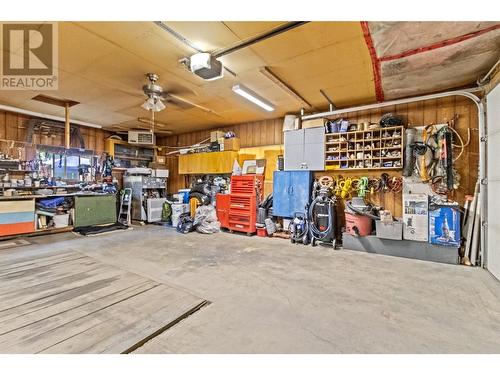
314,149
294,149
493,203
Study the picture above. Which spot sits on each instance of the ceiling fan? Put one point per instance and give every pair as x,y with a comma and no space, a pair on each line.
156,97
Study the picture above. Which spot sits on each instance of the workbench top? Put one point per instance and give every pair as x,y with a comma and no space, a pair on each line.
38,196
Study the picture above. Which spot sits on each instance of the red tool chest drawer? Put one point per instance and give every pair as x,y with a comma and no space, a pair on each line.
247,184
242,212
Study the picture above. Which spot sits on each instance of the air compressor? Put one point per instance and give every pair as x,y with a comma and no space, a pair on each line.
322,213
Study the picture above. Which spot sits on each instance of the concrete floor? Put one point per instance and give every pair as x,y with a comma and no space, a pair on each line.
269,296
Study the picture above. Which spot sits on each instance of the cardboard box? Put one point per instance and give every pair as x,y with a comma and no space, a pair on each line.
215,135
444,225
314,123
232,144
291,122
160,159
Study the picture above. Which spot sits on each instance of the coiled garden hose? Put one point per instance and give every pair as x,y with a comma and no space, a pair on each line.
363,186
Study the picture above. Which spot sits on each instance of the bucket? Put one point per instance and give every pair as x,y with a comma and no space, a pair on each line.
177,210
357,225
261,231
61,221
184,195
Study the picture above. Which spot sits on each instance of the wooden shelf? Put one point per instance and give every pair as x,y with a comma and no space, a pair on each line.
377,137
133,158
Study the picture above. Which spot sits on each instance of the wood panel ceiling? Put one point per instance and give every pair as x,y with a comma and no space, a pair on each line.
102,65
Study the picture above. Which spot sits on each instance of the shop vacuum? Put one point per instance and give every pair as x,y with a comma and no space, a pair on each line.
322,213
299,228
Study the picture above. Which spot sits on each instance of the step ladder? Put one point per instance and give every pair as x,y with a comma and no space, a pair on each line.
125,206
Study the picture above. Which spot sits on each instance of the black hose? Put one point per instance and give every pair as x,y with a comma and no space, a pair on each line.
315,231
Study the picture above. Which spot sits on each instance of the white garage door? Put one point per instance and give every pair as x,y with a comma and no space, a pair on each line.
493,162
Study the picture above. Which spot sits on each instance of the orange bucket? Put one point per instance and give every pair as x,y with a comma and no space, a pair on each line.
358,225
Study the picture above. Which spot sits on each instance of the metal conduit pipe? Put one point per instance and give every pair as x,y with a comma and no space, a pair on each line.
486,78
482,142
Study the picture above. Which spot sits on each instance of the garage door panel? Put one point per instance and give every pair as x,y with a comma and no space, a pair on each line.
493,203
494,157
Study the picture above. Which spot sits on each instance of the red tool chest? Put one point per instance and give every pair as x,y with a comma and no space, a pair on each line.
238,211
222,209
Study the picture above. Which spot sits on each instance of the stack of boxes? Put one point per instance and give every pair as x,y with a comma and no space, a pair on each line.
218,142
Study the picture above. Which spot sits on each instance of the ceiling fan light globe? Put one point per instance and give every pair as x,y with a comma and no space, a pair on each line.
159,106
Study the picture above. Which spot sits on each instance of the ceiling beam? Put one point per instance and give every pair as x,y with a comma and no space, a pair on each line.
266,71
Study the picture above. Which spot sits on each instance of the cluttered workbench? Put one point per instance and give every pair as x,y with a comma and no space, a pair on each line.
36,214
50,189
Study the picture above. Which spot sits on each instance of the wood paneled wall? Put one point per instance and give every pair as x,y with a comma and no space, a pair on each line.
251,134
435,111
13,126
419,113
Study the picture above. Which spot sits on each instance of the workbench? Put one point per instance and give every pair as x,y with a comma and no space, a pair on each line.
18,212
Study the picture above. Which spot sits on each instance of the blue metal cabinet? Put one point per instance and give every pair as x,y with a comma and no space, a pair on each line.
291,192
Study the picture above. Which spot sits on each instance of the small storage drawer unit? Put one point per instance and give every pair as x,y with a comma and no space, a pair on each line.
95,210
291,192
17,217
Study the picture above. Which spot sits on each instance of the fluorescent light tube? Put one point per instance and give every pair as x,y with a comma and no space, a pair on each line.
253,97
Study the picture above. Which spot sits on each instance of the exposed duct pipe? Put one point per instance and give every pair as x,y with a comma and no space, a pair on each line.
45,116
482,141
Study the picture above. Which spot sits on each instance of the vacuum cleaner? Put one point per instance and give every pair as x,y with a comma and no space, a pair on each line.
299,229
322,213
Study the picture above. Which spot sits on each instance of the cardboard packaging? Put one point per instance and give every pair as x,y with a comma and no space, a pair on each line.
291,122
232,144
215,135
416,217
160,159
444,225
314,123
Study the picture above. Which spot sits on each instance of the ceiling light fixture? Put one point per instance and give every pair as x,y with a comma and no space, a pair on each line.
253,97
153,103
